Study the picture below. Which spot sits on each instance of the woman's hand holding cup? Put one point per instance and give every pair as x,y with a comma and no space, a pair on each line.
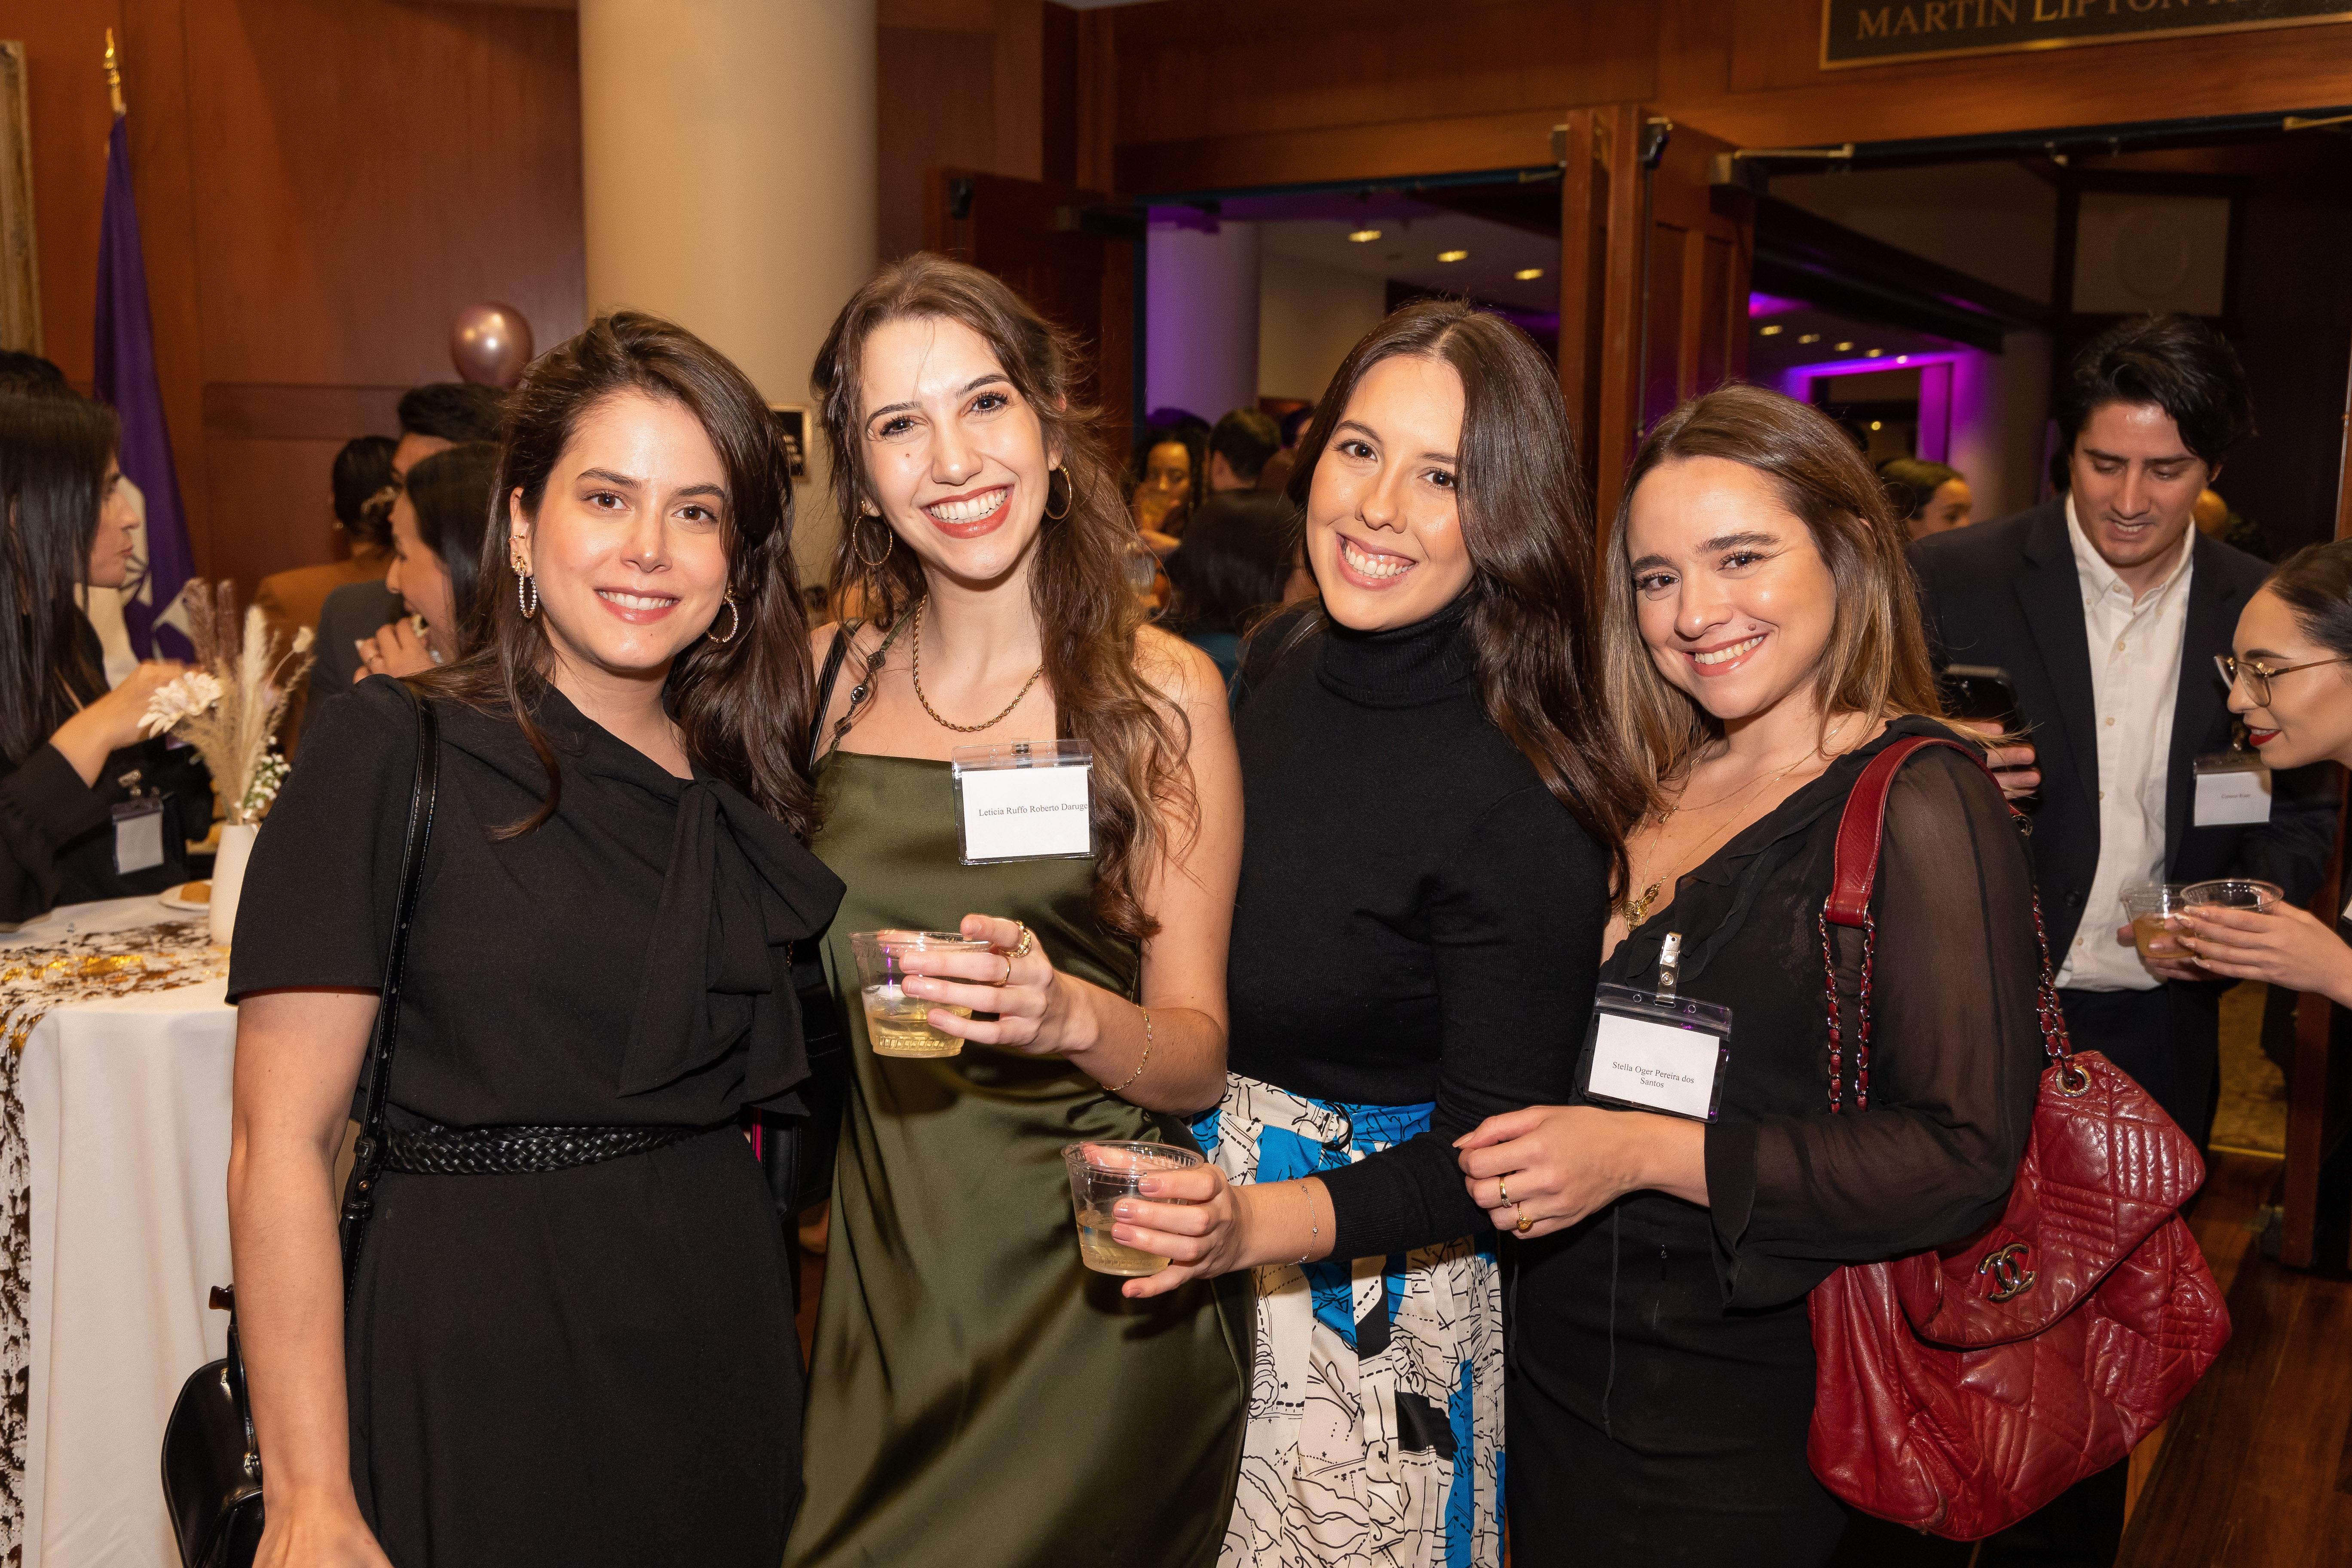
1011,978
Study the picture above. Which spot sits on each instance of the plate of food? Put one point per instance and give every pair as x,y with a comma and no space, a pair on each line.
194,898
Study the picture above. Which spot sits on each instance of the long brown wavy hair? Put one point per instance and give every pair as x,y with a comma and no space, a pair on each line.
1876,660
1527,522
1087,614
741,706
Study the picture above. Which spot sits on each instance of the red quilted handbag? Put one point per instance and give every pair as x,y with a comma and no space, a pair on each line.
1961,1389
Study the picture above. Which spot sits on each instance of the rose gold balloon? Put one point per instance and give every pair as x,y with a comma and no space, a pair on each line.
491,343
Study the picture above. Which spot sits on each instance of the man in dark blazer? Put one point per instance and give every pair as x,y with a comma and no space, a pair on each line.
2106,606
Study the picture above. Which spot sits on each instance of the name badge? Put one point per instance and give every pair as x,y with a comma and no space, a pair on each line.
2233,790
1655,1051
138,835
1025,801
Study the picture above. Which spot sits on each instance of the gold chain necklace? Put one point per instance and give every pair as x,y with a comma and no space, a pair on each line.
959,728
1637,909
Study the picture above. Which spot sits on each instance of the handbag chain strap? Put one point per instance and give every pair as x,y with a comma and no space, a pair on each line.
1861,832
367,1154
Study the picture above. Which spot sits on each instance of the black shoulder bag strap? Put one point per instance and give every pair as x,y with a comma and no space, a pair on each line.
367,1155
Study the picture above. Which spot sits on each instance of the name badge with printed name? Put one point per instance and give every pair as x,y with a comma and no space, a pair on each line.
1651,1051
138,835
1025,801
2233,790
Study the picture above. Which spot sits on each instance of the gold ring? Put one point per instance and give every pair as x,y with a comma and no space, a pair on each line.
1028,940
1502,1188
1008,970
1526,1223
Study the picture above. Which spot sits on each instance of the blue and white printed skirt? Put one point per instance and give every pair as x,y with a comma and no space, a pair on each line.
1376,1410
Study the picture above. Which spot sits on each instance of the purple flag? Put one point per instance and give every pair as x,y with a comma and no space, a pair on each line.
126,378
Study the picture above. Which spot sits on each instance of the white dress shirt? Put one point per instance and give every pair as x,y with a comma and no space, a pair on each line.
2134,675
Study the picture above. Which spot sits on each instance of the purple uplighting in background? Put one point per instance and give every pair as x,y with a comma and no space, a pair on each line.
1762,305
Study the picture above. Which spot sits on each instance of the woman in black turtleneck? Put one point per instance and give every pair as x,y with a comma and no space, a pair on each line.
1432,812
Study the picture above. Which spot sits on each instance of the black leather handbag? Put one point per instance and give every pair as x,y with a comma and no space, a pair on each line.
212,1465
796,1153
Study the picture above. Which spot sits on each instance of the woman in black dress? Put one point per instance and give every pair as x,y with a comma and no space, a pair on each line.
1763,644
1432,807
79,784
559,1363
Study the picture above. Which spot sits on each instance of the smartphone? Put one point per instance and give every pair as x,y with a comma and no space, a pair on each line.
1979,693
1983,693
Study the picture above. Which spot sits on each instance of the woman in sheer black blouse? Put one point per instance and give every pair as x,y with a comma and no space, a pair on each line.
1762,645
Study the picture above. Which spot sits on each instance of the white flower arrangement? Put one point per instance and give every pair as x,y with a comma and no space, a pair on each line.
230,705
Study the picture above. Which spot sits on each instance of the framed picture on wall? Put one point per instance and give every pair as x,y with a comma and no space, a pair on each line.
793,430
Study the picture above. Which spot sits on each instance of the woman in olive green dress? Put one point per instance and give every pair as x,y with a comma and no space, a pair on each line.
977,1397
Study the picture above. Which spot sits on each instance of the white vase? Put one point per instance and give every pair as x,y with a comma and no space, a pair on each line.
228,879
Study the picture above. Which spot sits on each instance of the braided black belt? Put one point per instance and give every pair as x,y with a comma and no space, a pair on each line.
507,1151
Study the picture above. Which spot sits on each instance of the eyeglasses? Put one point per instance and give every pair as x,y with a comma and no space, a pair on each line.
2258,678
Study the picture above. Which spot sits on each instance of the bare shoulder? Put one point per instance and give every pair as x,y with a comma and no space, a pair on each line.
1183,673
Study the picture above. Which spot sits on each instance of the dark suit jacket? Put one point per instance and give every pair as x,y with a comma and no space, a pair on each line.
353,610
2007,594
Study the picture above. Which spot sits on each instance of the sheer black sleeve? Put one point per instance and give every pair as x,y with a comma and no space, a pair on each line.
1517,937
1955,1057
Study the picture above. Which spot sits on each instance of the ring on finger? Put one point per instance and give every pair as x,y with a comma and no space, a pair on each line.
1503,1187
1008,970
1526,1221
1028,942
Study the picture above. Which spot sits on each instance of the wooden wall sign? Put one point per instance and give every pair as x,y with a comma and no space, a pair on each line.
1877,32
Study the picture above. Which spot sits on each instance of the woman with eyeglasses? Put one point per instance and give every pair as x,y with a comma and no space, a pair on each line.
2291,680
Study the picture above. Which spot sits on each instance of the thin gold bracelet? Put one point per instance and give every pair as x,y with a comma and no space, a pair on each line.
1314,1231
1146,1058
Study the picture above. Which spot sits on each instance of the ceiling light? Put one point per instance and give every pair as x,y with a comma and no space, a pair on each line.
1810,338
1527,274
1452,256
1873,353
1365,236
1902,359
1877,426
1770,331
1842,347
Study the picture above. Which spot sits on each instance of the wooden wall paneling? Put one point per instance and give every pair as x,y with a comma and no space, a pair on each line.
1519,139
1583,271
1194,68
157,90
1097,122
1620,375
64,43
20,272
368,169
936,100
1057,50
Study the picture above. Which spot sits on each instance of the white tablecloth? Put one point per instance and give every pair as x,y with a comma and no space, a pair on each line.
125,1108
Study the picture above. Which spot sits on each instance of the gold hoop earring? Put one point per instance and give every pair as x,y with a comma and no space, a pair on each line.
527,593
734,627
858,541
1069,493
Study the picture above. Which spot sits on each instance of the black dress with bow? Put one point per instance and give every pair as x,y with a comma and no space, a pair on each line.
594,1365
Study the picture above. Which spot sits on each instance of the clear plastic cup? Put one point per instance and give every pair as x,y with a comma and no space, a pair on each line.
898,1025
1101,1175
2233,893
2154,908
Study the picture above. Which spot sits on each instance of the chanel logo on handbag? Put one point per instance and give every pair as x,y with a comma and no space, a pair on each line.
2010,1276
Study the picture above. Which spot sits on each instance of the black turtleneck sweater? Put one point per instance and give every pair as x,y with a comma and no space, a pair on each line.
1418,920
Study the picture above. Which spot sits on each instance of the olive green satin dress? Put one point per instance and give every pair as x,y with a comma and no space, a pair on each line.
977,1398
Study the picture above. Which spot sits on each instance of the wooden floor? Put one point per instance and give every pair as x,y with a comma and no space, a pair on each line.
2255,1470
